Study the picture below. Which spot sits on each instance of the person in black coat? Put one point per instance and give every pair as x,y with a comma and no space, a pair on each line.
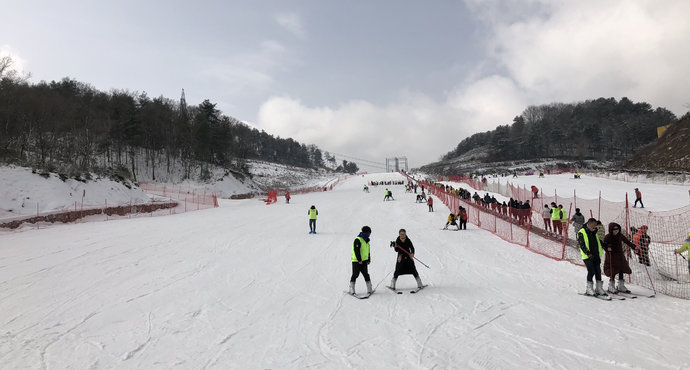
405,262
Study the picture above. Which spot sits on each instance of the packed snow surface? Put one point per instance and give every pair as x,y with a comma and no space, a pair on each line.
244,286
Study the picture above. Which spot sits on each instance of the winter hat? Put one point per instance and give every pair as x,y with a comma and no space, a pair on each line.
577,210
366,229
643,227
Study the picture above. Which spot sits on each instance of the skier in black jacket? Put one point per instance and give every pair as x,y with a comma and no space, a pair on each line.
405,263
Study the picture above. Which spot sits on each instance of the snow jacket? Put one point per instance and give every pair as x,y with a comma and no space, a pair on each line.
578,220
557,214
546,213
685,247
430,201
615,260
404,263
451,217
589,243
313,213
462,215
360,250
638,194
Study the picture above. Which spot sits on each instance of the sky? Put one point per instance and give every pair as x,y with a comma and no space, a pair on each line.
365,79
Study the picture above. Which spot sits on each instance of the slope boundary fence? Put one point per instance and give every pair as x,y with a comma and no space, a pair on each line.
656,267
192,199
273,194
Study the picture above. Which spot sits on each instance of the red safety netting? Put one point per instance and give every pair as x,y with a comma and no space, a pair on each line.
656,267
273,195
191,198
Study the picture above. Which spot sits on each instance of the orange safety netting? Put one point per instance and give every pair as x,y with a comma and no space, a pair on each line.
656,267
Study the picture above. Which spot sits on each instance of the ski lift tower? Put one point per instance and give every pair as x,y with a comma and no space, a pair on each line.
396,164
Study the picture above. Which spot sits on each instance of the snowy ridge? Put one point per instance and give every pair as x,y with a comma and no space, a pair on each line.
213,289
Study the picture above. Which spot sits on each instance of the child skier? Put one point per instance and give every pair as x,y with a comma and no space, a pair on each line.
405,262
452,221
430,203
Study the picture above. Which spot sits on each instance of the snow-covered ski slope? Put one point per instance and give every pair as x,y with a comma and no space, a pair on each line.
244,286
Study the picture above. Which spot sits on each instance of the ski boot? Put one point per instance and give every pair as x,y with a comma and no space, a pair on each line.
622,287
599,289
612,286
590,288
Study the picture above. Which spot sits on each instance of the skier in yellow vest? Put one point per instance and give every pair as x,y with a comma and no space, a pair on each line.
591,251
361,258
312,219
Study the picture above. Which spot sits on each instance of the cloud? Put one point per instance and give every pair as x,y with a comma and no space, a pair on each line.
248,72
414,125
537,52
292,23
585,49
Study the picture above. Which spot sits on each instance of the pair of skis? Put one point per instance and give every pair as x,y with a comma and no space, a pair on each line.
413,291
621,296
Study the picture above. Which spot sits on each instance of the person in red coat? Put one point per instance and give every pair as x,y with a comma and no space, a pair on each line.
615,262
287,197
430,203
638,198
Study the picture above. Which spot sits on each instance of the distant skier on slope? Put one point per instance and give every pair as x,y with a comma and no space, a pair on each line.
615,262
312,219
430,203
638,198
452,221
591,251
462,218
405,261
361,258
287,197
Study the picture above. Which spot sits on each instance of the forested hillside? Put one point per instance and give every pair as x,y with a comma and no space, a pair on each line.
671,152
600,129
70,126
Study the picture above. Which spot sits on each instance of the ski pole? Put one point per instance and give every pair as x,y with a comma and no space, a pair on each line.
650,278
408,253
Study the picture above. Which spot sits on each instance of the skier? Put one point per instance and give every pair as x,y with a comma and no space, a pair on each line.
546,214
684,248
430,203
642,241
578,220
361,258
615,262
462,217
452,221
366,188
287,197
405,263
591,251
312,219
638,198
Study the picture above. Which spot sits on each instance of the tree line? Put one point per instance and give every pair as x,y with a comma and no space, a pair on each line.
600,129
69,125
